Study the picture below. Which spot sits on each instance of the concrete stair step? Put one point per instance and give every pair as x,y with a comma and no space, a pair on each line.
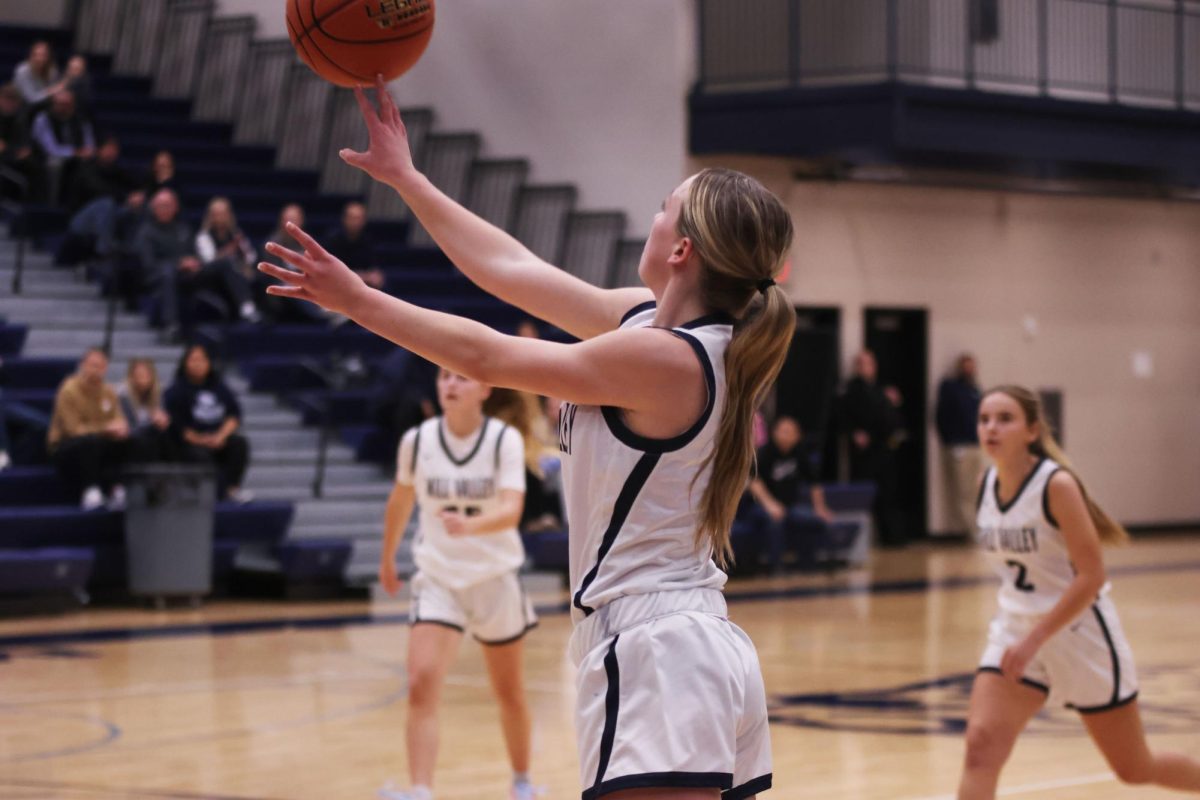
337,530
270,457
282,475
272,419
270,439
303,491
57,291
347,512
127,340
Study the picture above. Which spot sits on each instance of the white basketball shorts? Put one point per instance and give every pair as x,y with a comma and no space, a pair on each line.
670,695
494,611
1087,666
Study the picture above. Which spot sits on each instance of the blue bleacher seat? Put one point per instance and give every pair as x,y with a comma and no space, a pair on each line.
33,486
36,373
313,560
44,570
547,550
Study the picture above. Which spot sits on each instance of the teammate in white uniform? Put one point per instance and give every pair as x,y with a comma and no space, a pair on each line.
1057,634
656,440
466,474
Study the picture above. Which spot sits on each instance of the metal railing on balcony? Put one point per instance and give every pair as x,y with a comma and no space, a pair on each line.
1138,52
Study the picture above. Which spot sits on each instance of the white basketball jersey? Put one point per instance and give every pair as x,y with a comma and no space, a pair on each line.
464,475
632,508
1022,542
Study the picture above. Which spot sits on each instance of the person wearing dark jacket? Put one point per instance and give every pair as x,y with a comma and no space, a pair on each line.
353,245
962,463
870,420
205,417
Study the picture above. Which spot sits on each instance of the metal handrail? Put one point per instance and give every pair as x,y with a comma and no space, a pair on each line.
16,209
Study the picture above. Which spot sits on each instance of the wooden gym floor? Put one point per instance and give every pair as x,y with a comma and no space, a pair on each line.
868,672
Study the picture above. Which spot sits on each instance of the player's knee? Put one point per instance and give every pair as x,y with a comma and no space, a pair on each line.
985,750
423,687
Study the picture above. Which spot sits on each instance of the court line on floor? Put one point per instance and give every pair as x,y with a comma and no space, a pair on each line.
909,586
1040,786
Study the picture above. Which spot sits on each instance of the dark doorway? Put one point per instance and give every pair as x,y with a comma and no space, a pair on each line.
808,381
899,337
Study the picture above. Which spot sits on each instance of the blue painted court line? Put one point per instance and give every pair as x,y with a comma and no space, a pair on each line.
910,586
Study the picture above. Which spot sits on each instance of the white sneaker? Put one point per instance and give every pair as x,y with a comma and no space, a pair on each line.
524,791
240,496
116,499
5,461
390,792
93,498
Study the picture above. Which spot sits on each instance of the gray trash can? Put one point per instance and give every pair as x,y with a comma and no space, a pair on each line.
169,530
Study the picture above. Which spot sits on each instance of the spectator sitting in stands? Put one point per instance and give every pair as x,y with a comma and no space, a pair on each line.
220,239
352,244
103,176
89,438
65,140
141,402
169,261
16,148
77,79
781,467
162,174
205,417
37,76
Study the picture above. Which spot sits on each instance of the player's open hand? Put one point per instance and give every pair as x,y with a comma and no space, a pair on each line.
389,157
315,276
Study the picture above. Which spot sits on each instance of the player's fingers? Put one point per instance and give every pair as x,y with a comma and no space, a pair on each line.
294,292
364,104
298,260
387,106
288,276
310,244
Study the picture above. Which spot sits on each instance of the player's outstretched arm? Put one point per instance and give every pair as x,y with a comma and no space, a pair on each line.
490,257
632,369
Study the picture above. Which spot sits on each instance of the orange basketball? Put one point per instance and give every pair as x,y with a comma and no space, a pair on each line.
351,41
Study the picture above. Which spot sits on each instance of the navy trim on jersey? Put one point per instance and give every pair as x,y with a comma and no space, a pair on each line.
1106,706
1004,507
612,707
664,780
1046,502
629,492
749,788
509,640
499,440
639,308
412,468
618,428
1041,687
715,318
478,442
1112,650
440,622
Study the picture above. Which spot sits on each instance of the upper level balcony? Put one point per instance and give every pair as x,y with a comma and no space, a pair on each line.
1086,88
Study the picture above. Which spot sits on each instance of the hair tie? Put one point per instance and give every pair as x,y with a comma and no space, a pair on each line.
764,284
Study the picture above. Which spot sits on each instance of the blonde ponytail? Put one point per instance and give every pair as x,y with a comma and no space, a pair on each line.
741,233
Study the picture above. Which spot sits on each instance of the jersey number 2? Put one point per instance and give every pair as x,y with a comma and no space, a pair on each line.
1021,584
